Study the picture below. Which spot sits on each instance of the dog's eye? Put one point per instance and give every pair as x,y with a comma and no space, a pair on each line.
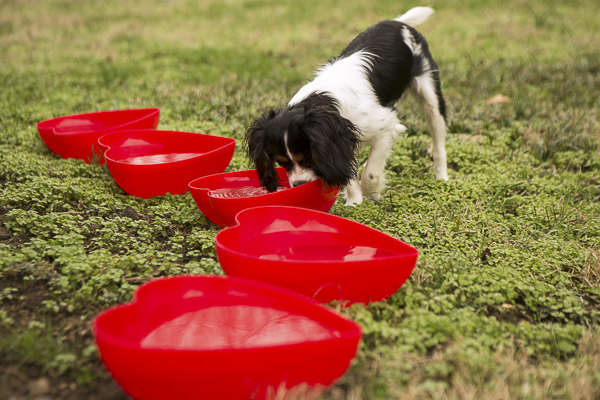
307,161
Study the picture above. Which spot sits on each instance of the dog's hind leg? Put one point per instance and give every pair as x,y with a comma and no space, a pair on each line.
426,89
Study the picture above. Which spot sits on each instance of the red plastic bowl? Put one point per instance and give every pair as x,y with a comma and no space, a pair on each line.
317,254
148,163
76,136
210,337
222,210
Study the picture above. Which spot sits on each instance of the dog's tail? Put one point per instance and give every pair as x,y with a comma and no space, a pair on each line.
416,16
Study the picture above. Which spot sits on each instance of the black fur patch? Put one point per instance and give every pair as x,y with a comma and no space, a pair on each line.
394,66
325,141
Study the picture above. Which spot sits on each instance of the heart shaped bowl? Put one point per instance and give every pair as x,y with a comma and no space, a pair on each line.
220,197
215,337
316,254
76,136
149,162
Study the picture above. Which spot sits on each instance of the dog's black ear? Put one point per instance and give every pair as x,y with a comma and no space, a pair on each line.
256,144
334,144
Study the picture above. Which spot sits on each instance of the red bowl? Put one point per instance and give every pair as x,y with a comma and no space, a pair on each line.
211,337
76,136
222,210
148,163
316,254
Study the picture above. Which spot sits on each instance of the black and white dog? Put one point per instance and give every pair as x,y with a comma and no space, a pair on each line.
350,102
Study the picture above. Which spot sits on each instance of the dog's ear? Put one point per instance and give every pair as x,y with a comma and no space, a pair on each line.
256,144
334,144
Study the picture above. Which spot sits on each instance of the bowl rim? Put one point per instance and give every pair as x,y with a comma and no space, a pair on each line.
353,331
305,187
414,251
230,173
209,155
150,111
308,185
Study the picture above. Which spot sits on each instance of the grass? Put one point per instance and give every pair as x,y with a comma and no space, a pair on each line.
505,299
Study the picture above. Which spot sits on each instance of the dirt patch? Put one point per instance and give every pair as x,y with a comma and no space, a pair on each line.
4,234
31,383
23,380
131,213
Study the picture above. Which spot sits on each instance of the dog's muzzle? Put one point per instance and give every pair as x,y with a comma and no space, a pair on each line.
298,183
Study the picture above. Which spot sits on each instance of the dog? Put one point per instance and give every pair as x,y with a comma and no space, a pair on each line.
351,102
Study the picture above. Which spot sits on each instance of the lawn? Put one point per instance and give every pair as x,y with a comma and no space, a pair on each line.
505,300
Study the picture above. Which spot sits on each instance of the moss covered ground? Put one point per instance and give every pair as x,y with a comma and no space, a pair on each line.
505,299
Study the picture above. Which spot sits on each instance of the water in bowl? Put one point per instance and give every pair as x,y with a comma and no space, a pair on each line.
158,158
242,191
236,327
328,252
313,245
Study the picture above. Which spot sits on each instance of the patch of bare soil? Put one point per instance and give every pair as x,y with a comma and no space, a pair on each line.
22,380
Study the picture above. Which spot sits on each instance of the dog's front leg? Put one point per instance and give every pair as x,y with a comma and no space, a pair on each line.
372,179
353,193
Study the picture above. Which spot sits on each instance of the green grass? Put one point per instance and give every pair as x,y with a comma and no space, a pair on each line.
505,299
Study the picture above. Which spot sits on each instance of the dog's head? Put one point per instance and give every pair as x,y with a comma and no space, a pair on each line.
311,140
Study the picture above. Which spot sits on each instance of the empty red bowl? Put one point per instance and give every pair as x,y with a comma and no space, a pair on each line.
211,337
220,197
317,254
149,162
76,136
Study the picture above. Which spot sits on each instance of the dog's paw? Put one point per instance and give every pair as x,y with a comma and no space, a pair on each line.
353,201
353,194
372,185
374,197
442,176
401,128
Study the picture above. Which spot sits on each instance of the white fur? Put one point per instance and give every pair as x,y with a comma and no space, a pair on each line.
423,90
417,49
300,174
416,16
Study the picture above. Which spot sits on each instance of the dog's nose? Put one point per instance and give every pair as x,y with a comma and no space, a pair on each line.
298,183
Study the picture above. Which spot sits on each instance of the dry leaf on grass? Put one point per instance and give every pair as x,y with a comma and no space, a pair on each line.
499,98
